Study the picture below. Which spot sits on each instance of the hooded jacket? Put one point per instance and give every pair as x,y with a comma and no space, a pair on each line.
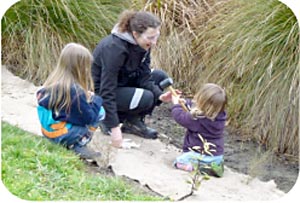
81,113
120,62
211,130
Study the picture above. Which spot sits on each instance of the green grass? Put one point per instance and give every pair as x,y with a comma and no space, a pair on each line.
35,169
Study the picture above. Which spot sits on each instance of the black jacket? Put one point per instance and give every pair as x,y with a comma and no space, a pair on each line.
120,62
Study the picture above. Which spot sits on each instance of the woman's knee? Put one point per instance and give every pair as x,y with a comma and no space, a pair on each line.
147,100
158,75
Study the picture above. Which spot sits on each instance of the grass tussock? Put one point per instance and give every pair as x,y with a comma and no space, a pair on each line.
253,51
35,169
34,32
174,52
249,47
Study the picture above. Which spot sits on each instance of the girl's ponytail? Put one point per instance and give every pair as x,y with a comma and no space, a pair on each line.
124,21
137,21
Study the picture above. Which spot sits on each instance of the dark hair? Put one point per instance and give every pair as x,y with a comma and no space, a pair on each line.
137,21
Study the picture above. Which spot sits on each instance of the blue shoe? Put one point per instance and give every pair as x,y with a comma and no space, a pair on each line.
212,169
85,153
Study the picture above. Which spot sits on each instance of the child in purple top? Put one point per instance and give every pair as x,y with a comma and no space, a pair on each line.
205,122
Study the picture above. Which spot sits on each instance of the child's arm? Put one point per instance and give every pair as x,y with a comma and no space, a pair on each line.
182,117
90,109
84,111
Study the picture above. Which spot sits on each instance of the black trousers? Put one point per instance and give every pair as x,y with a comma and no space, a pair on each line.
133,101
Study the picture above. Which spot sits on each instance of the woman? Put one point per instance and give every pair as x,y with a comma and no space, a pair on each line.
122,75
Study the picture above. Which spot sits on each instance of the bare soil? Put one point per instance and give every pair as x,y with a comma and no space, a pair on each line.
244,156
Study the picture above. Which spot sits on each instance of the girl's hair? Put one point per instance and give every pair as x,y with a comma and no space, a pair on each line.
209,101
137,21
73,67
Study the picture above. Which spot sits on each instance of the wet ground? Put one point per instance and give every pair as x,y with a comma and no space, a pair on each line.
244,156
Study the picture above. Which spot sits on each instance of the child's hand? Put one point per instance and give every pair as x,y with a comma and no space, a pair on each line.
90,96
177,100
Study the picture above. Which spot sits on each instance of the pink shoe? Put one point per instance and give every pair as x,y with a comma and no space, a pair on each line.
185,167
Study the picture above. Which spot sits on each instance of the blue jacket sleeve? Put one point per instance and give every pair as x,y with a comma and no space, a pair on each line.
81,111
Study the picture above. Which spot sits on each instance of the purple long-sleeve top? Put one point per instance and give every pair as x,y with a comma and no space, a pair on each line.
212,131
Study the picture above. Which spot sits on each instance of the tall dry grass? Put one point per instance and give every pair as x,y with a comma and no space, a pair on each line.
249,47
34,31
253,50
175,50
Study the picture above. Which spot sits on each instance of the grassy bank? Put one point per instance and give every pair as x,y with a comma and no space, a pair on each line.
35,169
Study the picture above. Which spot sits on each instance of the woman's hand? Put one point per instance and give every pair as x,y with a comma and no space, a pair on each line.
116,137
167,96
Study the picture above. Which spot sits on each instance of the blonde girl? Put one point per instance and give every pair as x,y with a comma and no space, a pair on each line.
205,122
68,110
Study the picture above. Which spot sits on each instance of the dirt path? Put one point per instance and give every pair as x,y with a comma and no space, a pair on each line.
150,165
